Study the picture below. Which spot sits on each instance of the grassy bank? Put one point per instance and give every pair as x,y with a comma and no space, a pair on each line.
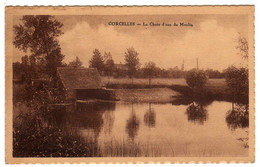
153,95
165,89
158,82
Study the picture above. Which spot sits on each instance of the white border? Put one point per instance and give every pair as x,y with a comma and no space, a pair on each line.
128,2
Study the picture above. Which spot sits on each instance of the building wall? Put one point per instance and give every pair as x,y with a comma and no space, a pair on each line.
71,95
103,94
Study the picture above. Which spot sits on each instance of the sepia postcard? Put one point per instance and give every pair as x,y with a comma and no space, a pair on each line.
158,84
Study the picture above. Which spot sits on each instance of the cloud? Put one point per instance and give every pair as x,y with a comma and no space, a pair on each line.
213,45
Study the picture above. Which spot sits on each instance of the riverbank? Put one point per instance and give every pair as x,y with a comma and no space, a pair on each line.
156,82
166,90
152,95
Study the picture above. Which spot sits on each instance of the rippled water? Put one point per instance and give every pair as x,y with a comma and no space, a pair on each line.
145,129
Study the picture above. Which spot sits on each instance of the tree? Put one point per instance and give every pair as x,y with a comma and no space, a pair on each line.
54,60
237,78
75,63
38,35
243,47
97,61
109,64
150,70
196,79
131,61
238,83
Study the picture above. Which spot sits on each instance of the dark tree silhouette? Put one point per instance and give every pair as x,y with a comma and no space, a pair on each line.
38,35
238,83
196,78
237,78
97,61
109,64
131,61
150,70
75,63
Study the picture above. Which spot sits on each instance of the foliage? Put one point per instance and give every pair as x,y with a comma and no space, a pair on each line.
243,47
75,63
109,64
238,82
131,61
196,79
38,35
54,60
150,70
97,61
238,117
35,135
214,73
32,139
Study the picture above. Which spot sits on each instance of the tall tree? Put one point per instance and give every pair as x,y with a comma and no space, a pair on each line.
238,83
150,70
131,61
109,63
97,61
237,77
243,47
75,63
38,34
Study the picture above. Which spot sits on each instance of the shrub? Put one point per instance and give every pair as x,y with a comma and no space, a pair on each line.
237,82
196,79
32,138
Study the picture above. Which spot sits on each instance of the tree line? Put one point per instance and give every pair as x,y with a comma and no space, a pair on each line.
38,36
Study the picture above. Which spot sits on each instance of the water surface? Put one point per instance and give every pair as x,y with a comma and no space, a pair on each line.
147,129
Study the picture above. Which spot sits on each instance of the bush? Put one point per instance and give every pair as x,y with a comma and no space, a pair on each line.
32,138
35,134
196,79
237,81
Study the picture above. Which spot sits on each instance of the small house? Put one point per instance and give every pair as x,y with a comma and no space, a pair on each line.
83,84
121,66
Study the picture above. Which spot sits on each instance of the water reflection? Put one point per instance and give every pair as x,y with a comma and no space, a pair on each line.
238,117
186,101
86,115
149,117
109,124
109,119
132,125
197,113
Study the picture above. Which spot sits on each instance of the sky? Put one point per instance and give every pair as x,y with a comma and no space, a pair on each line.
212,39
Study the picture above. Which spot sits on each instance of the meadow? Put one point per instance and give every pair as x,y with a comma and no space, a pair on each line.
163,90
212,83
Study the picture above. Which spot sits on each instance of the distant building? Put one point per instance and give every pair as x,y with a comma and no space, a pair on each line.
121,67
83,84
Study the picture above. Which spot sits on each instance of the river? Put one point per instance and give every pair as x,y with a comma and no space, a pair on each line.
168,129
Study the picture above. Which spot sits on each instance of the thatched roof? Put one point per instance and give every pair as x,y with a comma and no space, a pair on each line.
79,78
